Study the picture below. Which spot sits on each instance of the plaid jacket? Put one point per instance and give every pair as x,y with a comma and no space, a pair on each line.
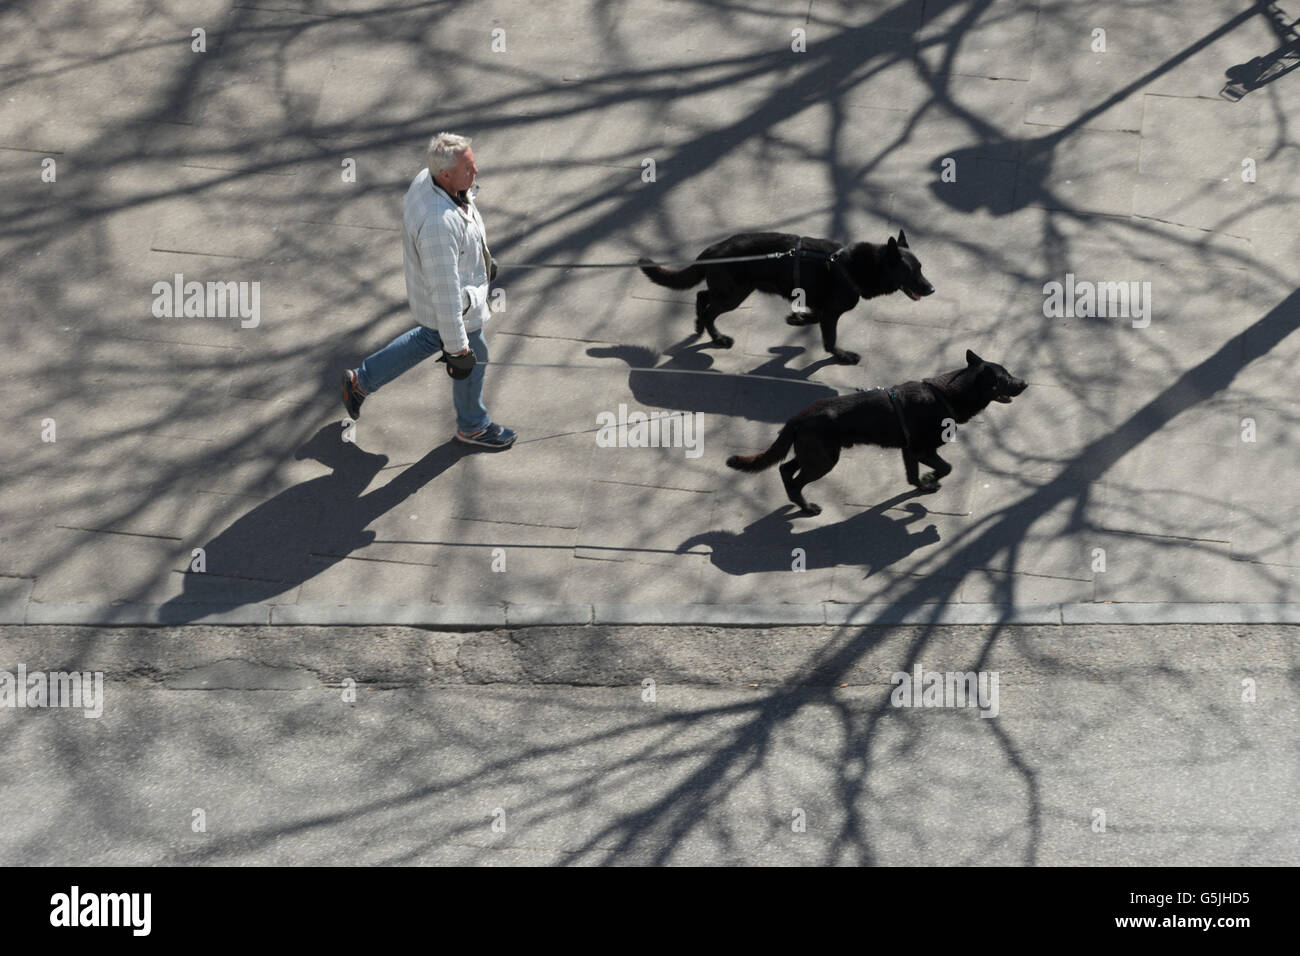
446,269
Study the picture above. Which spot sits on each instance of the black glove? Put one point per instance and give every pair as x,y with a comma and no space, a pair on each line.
459,366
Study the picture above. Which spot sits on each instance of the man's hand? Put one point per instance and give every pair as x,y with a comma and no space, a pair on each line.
461,364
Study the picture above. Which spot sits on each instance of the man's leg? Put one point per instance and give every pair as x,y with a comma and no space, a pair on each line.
467,393
399,355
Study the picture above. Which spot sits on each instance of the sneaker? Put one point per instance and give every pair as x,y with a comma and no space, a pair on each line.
494,436
352,394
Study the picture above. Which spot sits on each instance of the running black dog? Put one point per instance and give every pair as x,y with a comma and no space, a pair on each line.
832,277
917,417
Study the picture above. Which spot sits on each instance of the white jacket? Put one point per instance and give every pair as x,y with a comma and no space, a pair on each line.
444,250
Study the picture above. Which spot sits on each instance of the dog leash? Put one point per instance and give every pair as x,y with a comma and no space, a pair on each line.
798,252
638,265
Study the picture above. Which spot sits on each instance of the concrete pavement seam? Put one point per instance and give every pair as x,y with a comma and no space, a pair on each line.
481,616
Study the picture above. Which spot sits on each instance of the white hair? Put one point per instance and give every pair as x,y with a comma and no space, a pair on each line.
445,151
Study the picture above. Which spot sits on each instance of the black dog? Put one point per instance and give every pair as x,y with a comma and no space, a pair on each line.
917,417
832,277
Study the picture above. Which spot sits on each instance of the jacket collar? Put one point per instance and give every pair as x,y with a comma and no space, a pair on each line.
465,209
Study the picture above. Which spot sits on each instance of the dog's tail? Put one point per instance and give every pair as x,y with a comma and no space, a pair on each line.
672,278
766,459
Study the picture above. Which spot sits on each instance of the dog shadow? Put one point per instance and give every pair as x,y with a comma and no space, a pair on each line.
871,540
304,530
983,183
687,382
1259,71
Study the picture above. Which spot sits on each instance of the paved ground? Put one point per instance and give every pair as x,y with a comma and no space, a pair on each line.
173,434
1111,746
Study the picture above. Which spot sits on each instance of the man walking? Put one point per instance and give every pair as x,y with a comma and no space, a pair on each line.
448,270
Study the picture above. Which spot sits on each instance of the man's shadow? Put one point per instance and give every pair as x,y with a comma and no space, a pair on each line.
303,530
871,540
685,383
1262,70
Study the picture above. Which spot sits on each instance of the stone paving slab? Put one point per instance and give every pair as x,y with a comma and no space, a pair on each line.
183,433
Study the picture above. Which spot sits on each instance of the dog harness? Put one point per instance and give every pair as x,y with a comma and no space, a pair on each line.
799,252
897,403
943,399
902,422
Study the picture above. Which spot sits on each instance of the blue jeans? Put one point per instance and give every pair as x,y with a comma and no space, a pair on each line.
408,350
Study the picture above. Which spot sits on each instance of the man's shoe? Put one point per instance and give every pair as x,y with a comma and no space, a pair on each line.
494,436
352,394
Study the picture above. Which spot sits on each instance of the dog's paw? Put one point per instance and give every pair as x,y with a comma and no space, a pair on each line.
798,318
811,509
928,483
845,357
724,341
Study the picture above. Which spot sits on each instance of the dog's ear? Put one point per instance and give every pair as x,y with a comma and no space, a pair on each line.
902,239
973,359
891,246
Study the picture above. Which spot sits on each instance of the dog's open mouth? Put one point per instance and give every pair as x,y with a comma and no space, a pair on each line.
912,295
1004,399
